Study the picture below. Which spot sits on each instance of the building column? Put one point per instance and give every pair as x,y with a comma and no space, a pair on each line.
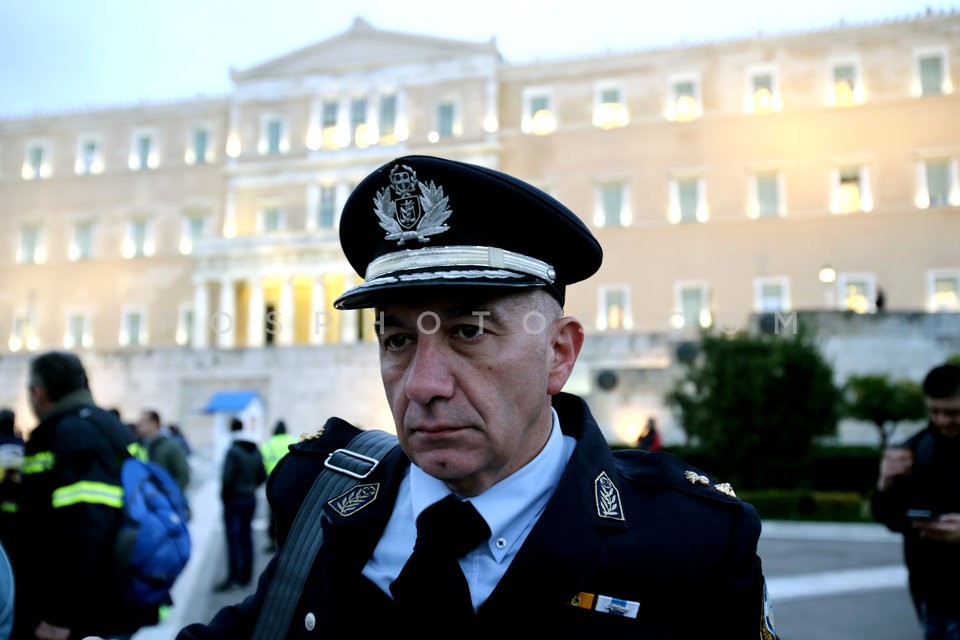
255,314
319,318
201,313
349,318
225,323
286,310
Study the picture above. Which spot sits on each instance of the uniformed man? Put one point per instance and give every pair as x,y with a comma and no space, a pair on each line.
467,269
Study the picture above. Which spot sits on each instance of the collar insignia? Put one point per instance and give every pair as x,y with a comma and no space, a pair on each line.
608,497
313,435
351,501
409,216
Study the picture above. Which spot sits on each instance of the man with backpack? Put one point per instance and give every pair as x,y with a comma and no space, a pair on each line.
918,495
71,508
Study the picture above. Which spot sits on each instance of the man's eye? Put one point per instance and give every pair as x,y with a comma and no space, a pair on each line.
469,331
395,341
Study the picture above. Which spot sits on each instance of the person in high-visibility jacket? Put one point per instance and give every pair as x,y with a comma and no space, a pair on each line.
272,450
71,507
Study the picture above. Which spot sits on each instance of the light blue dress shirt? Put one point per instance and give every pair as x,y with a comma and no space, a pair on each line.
511,507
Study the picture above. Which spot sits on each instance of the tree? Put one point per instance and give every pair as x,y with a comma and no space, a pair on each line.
883,402
756,403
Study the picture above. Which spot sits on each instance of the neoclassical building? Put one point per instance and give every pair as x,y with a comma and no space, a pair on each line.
800,171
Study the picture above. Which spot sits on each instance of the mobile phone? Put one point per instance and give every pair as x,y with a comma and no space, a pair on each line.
919,514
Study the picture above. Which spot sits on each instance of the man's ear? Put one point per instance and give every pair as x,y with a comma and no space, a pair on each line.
567,342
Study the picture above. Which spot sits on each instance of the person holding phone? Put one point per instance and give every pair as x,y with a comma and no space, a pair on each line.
918,495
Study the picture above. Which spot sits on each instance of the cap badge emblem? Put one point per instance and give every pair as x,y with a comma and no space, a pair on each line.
351,501
608,497
403,214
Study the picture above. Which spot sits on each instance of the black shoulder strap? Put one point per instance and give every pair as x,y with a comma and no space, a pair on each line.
344,468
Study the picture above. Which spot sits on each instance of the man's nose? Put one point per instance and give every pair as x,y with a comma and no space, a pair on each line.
429,375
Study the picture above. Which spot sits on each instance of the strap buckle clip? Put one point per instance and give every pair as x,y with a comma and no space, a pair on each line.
351,463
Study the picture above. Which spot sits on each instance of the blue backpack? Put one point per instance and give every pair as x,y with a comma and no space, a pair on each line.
153,543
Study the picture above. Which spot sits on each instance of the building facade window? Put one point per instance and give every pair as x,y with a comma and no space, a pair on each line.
614,309
184,335
763,91
359,128
446,124
943,290
81,241
23,332
771,294
857,292
684,104
89,157
388,119
845,85
609,106
766,198
143,152
938,185
36,162
274,137
138,239
612,208
932,73
30,249
133,327
538,116
687,200
327,207
850,189
77,331
199,147
691,305
270,219
193,227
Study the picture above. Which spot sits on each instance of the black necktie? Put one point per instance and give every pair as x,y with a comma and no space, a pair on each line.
431,586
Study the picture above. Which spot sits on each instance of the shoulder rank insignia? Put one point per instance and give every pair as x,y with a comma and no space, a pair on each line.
608,497
409,216
696,478
724,487
352,500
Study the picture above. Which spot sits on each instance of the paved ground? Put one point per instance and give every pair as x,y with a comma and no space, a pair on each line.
827,582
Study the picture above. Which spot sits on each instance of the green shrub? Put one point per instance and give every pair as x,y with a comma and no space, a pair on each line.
802,504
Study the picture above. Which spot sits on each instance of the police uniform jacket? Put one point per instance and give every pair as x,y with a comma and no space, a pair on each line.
623,529
70,512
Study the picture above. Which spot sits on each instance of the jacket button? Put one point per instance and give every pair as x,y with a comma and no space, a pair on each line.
310,621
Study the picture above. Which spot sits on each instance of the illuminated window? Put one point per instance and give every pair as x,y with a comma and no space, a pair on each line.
328,124
81,241
446,120
184,325
31,249
609,108
771,294
857,292
938,184
612,209
943,290
846,89
930,69
766,195
138,241
274,138
538,116
77,331
615,311
23,332
691,305
358,122
193,226
36,163
388,119
143,152
850,190
684,99
89,157
763,94
133,327
199,149
687,201
270,220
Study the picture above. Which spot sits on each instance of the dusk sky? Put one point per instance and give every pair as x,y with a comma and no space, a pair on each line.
61,55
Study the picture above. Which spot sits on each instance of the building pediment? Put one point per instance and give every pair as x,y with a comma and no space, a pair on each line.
362,46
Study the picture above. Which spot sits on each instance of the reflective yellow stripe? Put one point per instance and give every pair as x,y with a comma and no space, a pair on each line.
110,495
136,450
38,462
